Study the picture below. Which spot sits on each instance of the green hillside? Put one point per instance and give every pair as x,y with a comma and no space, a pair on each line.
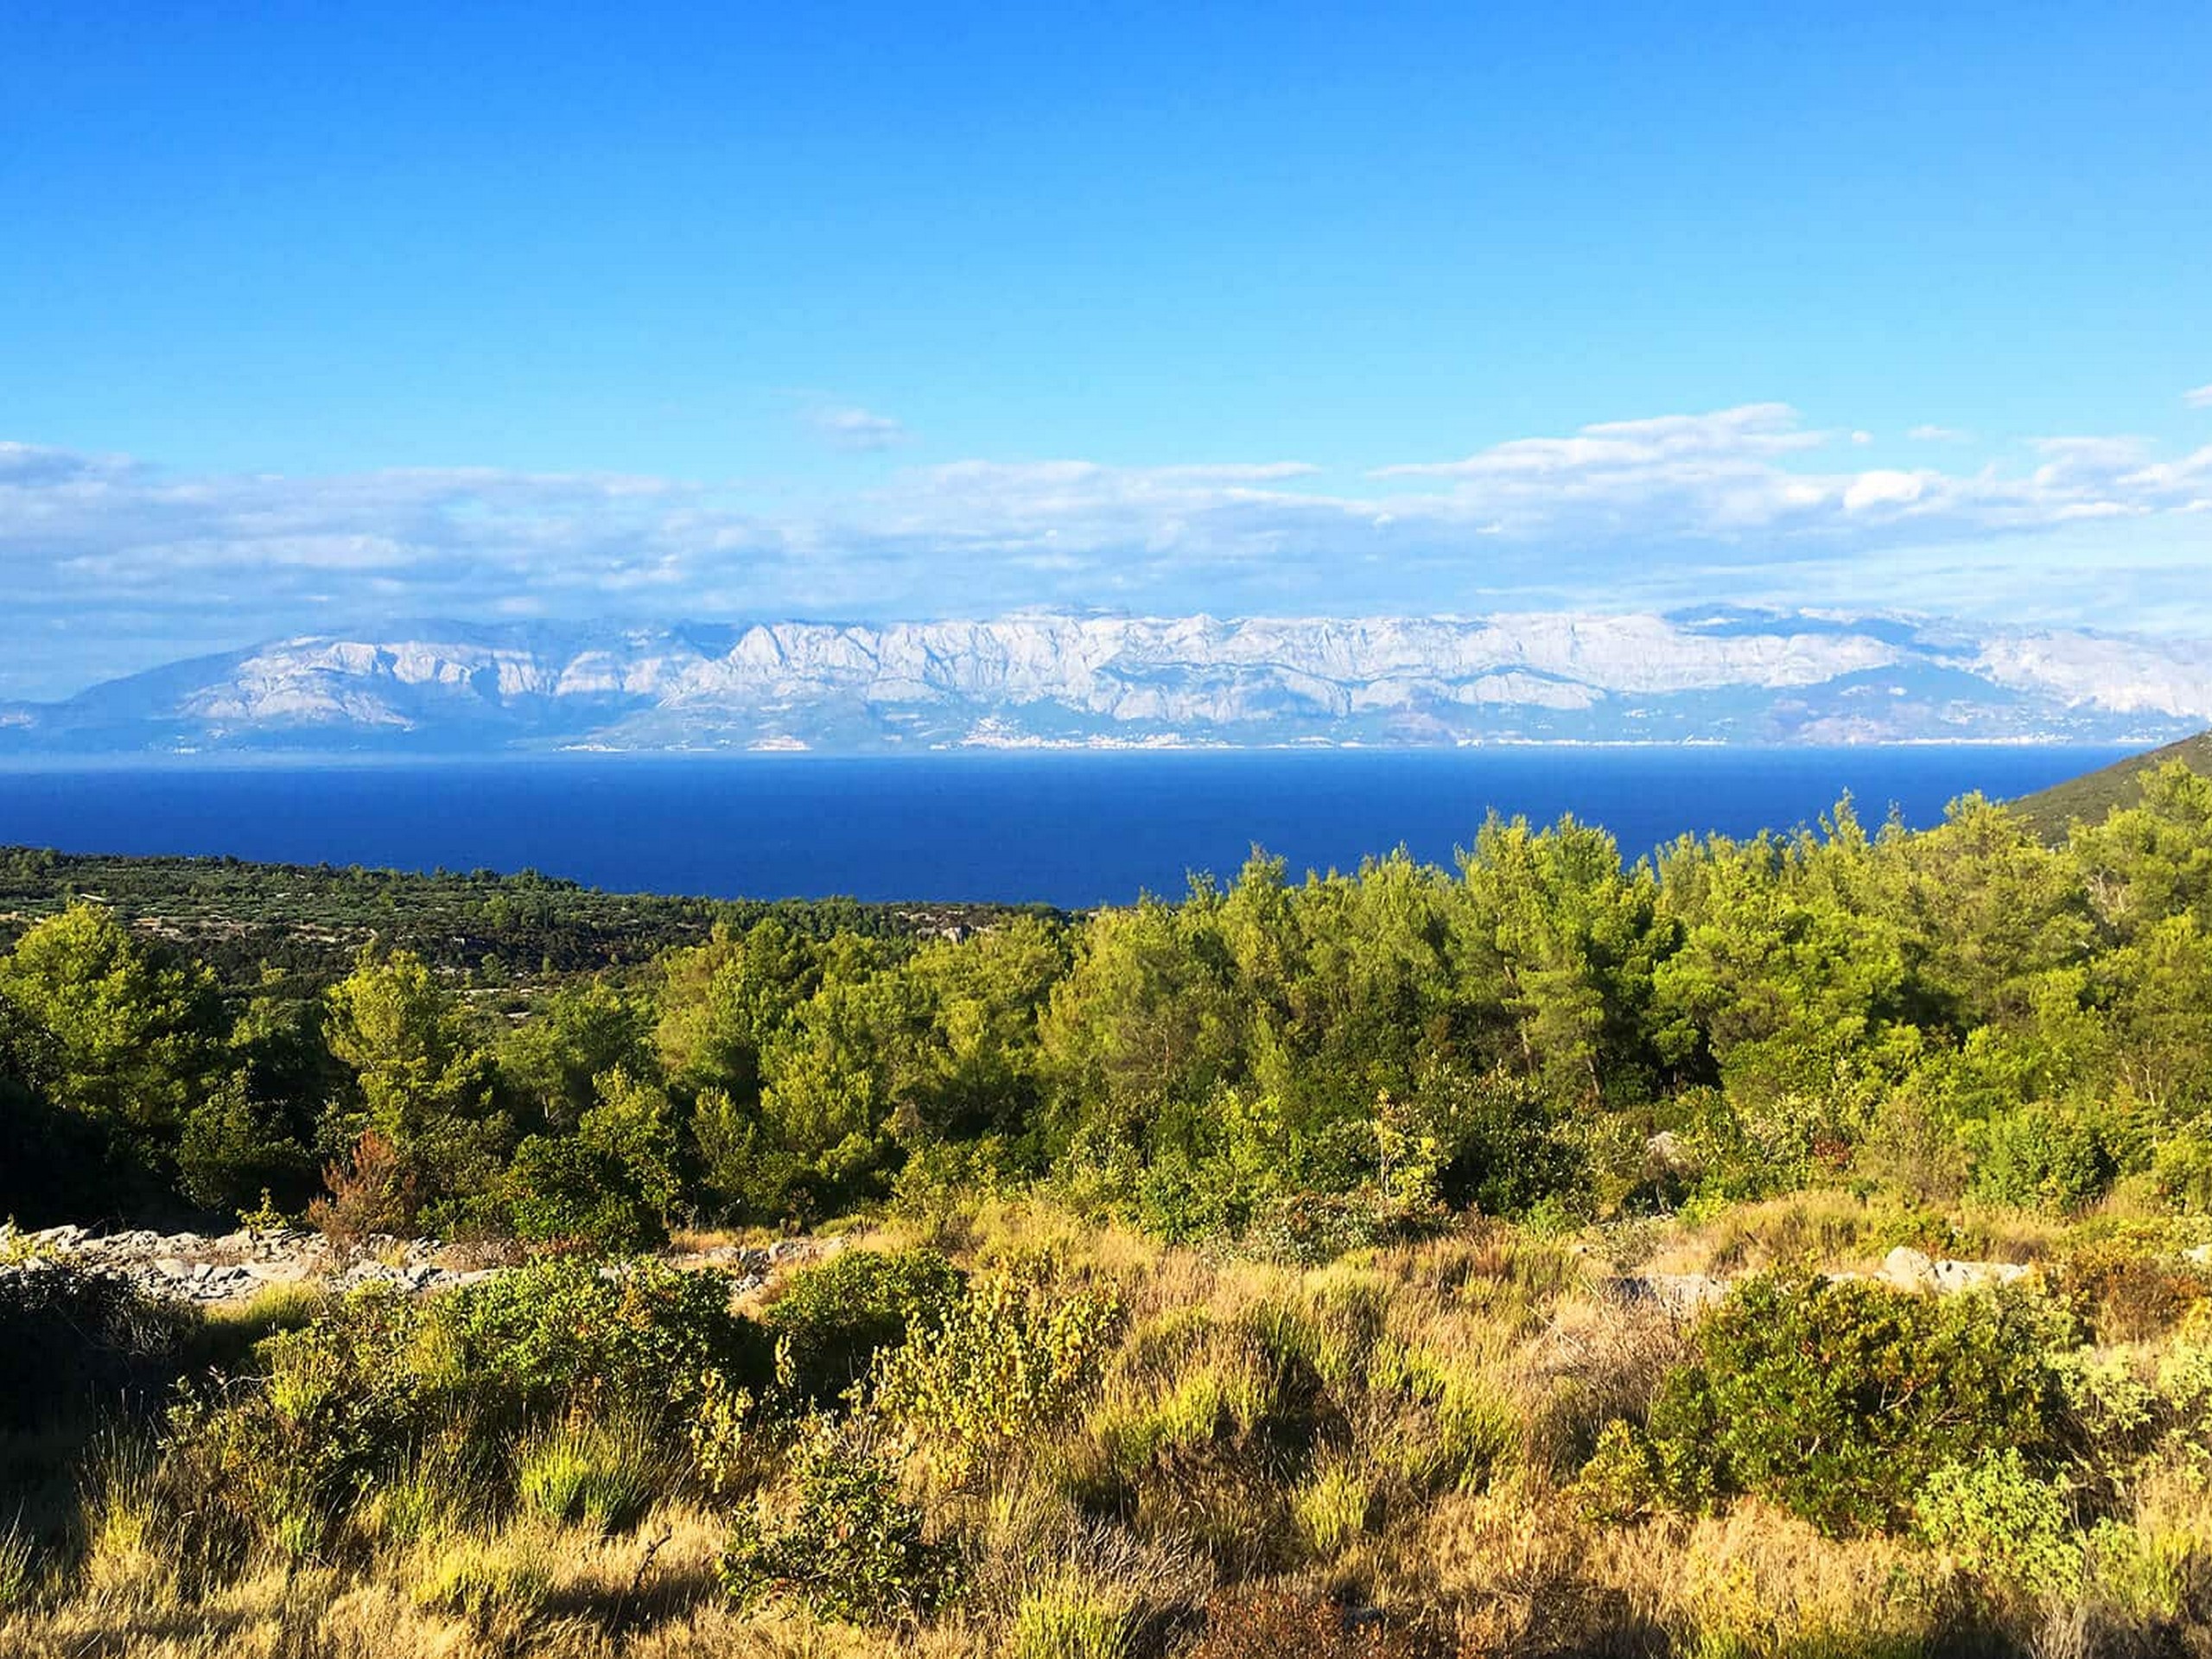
2095,794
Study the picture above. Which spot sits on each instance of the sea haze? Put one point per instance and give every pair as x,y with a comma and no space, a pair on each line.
1071,829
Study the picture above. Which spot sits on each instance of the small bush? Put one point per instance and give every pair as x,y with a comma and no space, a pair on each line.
833,1318
435,1492
2045,1155
233,1147
1072,1618
2131,1293
564,1190
2000,1522
850,1548
1838,1400
1308,1228
1332,1509
354,1409
563,1333
1011,1358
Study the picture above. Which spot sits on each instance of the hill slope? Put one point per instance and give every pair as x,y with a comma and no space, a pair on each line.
2095,794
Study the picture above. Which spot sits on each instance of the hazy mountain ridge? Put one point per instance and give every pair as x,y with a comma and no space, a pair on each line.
1706,676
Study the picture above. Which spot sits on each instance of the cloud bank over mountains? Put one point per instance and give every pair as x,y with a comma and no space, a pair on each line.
113,562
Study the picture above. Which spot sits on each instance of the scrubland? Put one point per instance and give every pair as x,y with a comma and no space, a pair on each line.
1012,1430
1404,1263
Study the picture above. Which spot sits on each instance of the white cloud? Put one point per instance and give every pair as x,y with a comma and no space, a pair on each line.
1751,429
1676,509
851,427
2198,397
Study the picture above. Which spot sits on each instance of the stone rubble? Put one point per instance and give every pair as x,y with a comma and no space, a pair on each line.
230,1266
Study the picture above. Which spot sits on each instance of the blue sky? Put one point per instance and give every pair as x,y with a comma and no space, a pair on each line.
316,315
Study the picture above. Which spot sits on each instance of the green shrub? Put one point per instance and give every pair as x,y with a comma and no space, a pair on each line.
1072,1618
2181,1167
833,1318
1501,1147
348,1407
435,1491
282,1460
563,1333
1011,1358
1838,1400
612,1183
2004,1524
233,1147
1308,1228
849,1547
1332,1508
564,1190
2045,1155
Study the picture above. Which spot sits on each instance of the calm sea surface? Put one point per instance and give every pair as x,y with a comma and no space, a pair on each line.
1068,829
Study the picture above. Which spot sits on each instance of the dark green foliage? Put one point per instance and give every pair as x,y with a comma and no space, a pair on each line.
582,1033
234,1147
850,1549
567,1329
836,1317
71,1341
567,1191
423,1082
1501,1145
610,1185
2060,1156
1544,1031
1838,1399
113,1033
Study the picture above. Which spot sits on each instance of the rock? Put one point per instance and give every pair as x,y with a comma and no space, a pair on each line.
1954,1276
1914,1270
1908,1269
186,1266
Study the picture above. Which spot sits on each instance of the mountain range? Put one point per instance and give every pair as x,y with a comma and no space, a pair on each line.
1726,676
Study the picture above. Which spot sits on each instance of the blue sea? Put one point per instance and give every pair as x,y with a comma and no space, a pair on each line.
1072,830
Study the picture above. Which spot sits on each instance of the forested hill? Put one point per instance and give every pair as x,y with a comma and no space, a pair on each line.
312,920
1966,1007
2092,796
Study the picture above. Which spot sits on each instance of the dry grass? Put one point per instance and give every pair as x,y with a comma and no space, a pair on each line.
1400,1431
